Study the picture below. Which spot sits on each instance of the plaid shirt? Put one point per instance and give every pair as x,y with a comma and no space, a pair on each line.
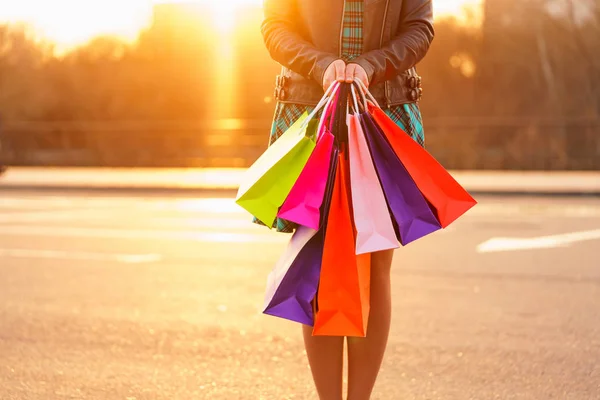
352,30
406,116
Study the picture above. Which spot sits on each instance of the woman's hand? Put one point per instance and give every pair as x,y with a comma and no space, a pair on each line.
355,71
335,72
339,71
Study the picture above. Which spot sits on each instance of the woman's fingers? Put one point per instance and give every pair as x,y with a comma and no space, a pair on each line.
350,71
355,71
335,72
339,71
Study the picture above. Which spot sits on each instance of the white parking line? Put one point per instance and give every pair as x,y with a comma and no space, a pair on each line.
80,256
45,216
542,242
532,210
201,223
211,205
261,236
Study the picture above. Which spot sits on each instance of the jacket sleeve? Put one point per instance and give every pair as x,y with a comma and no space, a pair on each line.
287,46
407,48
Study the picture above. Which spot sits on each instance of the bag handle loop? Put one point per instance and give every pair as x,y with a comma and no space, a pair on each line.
365,91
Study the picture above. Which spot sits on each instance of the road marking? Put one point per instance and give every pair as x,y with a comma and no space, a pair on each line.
214,223
152,222
264,236
520,210
47,216
212,205
80,256
543,242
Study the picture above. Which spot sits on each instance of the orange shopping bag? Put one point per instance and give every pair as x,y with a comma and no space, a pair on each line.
343,297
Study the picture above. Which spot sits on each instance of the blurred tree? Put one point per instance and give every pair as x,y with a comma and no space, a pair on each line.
449,70
537,58
528,60
23,90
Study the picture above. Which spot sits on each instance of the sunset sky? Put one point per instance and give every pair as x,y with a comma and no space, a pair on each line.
72,22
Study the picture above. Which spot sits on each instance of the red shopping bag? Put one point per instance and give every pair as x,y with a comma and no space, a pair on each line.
448,199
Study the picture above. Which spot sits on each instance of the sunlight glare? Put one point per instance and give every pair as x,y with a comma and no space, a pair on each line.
456,8
224,16
70,23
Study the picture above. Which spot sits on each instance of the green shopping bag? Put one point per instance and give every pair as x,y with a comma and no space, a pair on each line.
269,180
267,183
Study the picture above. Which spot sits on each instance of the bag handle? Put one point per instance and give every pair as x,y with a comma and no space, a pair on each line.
365,91
323,102
329,110
340,127
362,98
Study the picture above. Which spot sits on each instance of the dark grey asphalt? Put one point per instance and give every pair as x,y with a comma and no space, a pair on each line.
116,297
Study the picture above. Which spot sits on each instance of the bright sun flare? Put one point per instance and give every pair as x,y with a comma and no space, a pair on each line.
69,23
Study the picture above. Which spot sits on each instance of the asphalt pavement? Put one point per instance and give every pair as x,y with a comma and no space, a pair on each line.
146,296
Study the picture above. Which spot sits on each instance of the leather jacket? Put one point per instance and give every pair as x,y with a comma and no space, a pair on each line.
304,36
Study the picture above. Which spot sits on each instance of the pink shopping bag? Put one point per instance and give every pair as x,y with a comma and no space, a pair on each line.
374,227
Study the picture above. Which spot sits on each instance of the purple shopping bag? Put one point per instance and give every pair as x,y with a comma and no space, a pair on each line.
408,207
292,285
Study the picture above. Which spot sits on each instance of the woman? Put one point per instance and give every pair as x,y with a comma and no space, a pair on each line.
379,42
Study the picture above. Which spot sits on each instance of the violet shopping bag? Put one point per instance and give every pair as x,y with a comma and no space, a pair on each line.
293,283
409,209
304,201
267,183
372,220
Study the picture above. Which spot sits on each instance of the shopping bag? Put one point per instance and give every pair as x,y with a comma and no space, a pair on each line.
409,209
292,285
343,297
374,227
448,199
267,183
304,201
446,196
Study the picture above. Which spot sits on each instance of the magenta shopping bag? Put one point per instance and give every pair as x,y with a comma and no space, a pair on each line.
293,283
304,201
306,197
409,209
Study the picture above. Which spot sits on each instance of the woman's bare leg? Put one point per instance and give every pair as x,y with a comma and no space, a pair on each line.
326,359
365,355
